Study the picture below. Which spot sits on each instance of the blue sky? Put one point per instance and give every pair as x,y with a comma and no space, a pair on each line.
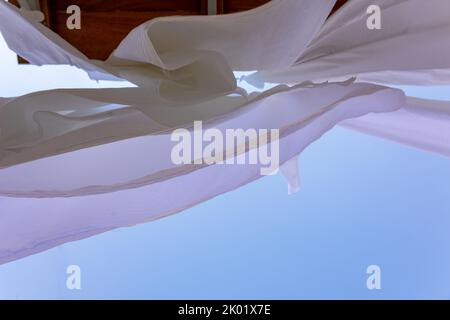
363,201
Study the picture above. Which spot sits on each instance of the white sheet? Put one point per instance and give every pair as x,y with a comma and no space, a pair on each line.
75,195
75,163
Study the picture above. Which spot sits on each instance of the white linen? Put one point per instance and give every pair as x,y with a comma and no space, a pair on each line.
75,163
415,37
423,124
75,195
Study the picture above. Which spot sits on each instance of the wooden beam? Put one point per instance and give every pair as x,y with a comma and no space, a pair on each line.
44,6
204,7
220,7
105,23
231,6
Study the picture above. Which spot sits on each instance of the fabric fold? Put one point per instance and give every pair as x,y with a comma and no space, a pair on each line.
189,56
94,190
250,40
414,37
209,75
422,124
76,163
52,122
290,171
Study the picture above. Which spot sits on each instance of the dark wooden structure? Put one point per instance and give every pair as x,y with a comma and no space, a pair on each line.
106,22
232,6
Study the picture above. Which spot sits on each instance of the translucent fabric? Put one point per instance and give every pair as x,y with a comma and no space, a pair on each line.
423,124
412,46
74,195
76,163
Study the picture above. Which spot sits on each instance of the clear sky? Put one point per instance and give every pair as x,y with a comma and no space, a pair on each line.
364,201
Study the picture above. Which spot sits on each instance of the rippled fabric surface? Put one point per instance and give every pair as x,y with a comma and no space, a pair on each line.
79,162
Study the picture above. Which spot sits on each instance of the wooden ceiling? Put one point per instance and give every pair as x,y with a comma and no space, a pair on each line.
231,6
105,23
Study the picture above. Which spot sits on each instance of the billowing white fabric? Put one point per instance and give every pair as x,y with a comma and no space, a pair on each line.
129,182
412,48
423,124
283,109
36,43
208,75
415,37
290,171
178,52
75,163
53,122
252,40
